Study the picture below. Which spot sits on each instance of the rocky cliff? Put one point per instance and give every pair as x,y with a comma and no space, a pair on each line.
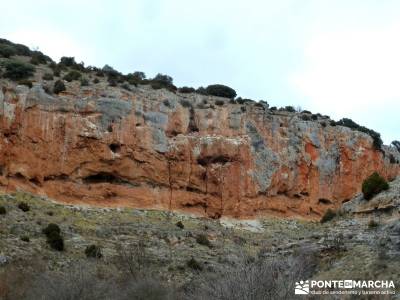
146,148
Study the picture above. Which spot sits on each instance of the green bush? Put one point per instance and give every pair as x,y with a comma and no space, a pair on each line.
329,215
73,75
55,241
16,70
180,225
39,58
48,76
135,78
186,90
7,51
25,238
96,80
288,108
219,102
163,81
23,206
93,251
59,87
84,82
220,90
376,137
54,238
17,48
67,61
202,239
51,228
373,224
3,210
194,264
373,185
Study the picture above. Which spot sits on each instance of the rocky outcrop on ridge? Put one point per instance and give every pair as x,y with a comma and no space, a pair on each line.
147,148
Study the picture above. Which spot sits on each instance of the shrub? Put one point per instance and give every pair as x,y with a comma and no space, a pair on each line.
73,75
48,76
180,225
135,78
16,70
202,239
51,228
54,238
23,206
220,90
25,82
96,80
39,58
376,137
59,87
373,224
93,251
7,51
305,117
163,81
289,108
194,264
201,90
329,215
219,102
84,82
25,238
67,61
3,210
373,185
254,279
186,90
396,144
55,241
17,48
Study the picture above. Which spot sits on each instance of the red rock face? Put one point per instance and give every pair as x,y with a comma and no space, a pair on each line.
154,149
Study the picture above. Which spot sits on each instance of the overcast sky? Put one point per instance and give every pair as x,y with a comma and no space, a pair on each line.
340,58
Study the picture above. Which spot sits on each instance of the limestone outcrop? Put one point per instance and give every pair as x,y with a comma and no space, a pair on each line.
146,148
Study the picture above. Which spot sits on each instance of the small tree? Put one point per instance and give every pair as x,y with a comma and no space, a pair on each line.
373,185
329,215
6,51
16,70
220,90
59,87
73,75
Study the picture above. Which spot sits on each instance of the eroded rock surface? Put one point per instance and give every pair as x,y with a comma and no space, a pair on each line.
150,148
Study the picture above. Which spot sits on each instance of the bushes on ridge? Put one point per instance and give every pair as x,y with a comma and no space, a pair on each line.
373,185
73,75
16,70
220,90
6,51
377,141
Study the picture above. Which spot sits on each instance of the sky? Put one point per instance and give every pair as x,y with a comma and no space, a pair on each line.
338,58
